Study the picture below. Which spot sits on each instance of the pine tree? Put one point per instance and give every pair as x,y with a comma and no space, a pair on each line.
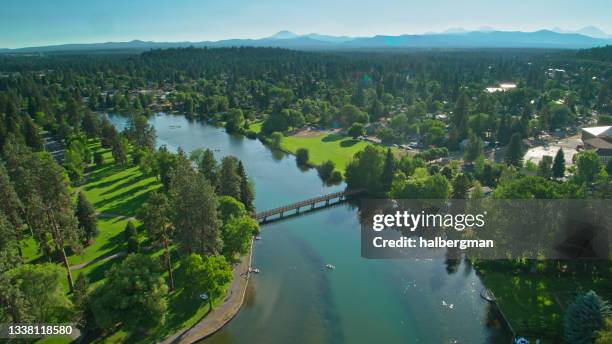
131,237
229,180
388,171
194,210
460,113
86,216
31,134
474,149
155,217
558,169
461,186
514,151
584,317
10,205
246,190
545,167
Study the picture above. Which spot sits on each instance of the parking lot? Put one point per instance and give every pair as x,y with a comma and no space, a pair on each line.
568,144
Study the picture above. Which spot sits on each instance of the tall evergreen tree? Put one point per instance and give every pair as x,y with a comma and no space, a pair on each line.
54,208
388,171
584,317
207,164
545,167
229,180
155,216
246,189
558,169
194,211
10,205
31,134
514,151
474,148
86,216
131,237
119,148
461,186
460,114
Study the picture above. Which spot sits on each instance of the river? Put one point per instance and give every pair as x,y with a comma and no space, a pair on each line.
296,300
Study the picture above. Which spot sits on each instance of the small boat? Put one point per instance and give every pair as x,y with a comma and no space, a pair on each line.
487,294
258,238
254,270
329,266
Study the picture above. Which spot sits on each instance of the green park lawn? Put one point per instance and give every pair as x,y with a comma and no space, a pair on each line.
337,148
118,193
116,190
110,241
256,126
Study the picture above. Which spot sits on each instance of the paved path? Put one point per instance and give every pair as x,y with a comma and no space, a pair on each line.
105,258
218,317
115,216
99,259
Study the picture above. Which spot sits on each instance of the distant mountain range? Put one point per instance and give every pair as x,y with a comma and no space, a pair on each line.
484,37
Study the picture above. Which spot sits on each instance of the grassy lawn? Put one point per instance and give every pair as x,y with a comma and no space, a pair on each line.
116,190
256,126
535,303
110,240
337,148
29,248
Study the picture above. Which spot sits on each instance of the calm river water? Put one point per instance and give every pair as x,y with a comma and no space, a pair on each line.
296,300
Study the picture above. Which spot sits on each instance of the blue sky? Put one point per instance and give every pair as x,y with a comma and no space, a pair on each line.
32,23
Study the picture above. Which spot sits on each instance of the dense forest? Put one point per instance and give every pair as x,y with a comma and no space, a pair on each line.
195,216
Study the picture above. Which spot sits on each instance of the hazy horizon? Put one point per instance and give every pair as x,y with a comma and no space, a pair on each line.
29,23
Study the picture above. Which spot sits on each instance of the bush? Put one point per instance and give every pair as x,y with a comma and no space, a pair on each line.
137,156
275,139
302,156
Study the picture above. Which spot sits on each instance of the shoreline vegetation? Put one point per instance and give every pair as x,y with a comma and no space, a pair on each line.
117,193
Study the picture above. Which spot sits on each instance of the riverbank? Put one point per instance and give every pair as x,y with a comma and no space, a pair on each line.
214,320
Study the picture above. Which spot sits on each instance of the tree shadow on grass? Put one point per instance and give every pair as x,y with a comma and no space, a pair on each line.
128,203
349,143
131,180
98,272
132,204
332,138
95,179
115,243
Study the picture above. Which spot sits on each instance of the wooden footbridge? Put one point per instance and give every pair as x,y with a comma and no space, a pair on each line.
305,206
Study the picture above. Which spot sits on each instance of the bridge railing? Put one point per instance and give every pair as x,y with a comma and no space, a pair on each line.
303,203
